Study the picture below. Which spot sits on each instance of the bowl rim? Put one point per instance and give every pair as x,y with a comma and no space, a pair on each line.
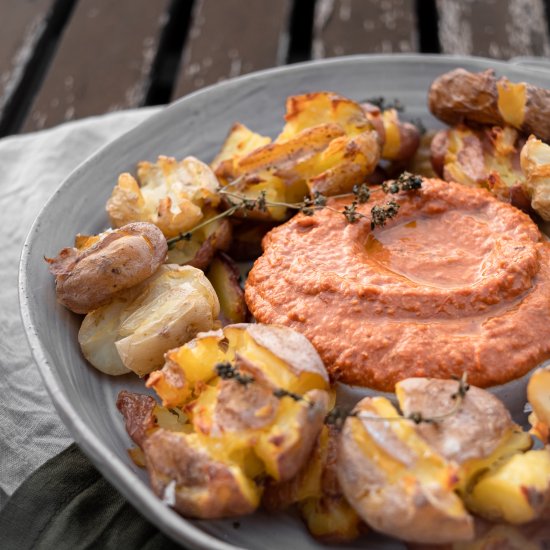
164,518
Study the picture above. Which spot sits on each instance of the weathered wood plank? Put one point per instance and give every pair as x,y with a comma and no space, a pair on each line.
343,27
103,61
23,24
493,28
231,38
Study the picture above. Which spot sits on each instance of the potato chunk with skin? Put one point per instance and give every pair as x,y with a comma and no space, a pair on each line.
515,491
399,140
538,395
535,162
134,331
459,96
500,479
395,481
487,158
316,490
182,470
170,195
327,146
284,357
248,420
101,267
225,278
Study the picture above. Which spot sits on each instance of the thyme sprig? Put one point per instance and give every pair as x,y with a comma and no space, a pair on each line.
239,203
336,417
381,214
383,104
405,182
227,371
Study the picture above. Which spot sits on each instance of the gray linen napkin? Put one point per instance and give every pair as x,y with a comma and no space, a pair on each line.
31,167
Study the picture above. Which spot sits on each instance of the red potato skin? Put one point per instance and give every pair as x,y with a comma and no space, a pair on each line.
460,96
408,133
137,410
87,279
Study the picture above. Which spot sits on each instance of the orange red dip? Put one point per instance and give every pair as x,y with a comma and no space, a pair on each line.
457,282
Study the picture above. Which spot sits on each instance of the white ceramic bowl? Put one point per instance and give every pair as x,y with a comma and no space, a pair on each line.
195,125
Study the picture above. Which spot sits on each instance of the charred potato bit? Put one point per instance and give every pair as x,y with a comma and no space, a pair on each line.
460,96
101,267
396,481
225,278
535,161
261,421
538,395
487,158
133,332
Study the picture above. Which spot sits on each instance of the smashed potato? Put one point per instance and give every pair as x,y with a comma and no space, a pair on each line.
454,451
255,396
535,162
460,96
327,146
169,194
397,482
101,267
133,332
487,158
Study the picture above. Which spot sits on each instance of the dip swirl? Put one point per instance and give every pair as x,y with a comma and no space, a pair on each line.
457,282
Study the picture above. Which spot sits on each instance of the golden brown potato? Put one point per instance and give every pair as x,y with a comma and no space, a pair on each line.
460,96
514,491
395,481
183,471
256,398
133,331
326,146
170,194
535,162
499,479
538,395
316,490
487,158
226,280
186,474
101,267
287,360
474,431
399,140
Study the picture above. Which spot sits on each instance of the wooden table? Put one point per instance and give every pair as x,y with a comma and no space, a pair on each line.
65,59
